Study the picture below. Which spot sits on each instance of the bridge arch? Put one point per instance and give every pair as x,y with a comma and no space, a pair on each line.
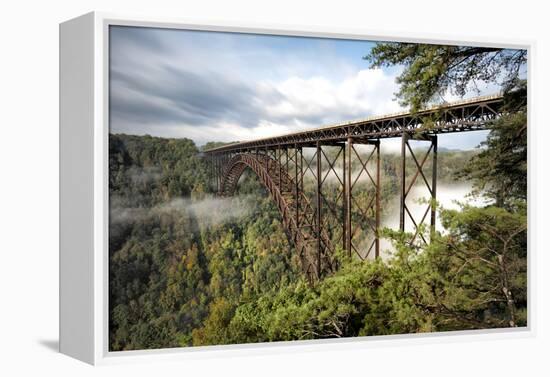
298,216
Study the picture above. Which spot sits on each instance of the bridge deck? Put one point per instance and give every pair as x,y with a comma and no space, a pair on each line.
466,115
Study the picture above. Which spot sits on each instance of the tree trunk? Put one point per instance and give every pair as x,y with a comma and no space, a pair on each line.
507,292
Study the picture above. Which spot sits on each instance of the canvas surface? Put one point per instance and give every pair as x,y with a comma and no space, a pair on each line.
266,188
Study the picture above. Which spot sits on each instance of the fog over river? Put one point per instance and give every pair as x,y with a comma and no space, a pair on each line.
448,197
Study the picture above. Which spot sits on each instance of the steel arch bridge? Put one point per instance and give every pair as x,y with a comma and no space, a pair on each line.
342,163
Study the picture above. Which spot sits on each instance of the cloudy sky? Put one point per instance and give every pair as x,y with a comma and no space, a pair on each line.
210,86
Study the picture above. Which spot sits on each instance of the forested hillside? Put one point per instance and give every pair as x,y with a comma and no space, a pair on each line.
189,268
177,254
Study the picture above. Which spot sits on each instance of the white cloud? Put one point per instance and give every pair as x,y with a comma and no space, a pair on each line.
299,104
367,92
309,103
238,87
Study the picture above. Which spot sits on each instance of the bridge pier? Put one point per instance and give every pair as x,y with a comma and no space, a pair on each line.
347,179
344,198
367,219
406,186
298,181
318,207
216,169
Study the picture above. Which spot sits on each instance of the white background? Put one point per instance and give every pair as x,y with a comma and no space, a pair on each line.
29,184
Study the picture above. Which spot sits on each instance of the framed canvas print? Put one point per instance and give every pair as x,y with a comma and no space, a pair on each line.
234,189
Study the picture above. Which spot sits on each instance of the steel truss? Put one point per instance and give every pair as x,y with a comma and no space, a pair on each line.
363,218
327,188
470,115
315,192
406,185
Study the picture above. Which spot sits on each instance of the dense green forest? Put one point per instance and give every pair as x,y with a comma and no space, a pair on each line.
188,268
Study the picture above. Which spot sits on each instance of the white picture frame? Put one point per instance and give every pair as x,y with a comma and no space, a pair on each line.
84,193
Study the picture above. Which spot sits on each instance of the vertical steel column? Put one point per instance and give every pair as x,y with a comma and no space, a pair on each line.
222,163
344,204
318,199
227,158
280,166
347,221
222,156
217,173
296,184
287,166
377,209
213,173
404,142
434,185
